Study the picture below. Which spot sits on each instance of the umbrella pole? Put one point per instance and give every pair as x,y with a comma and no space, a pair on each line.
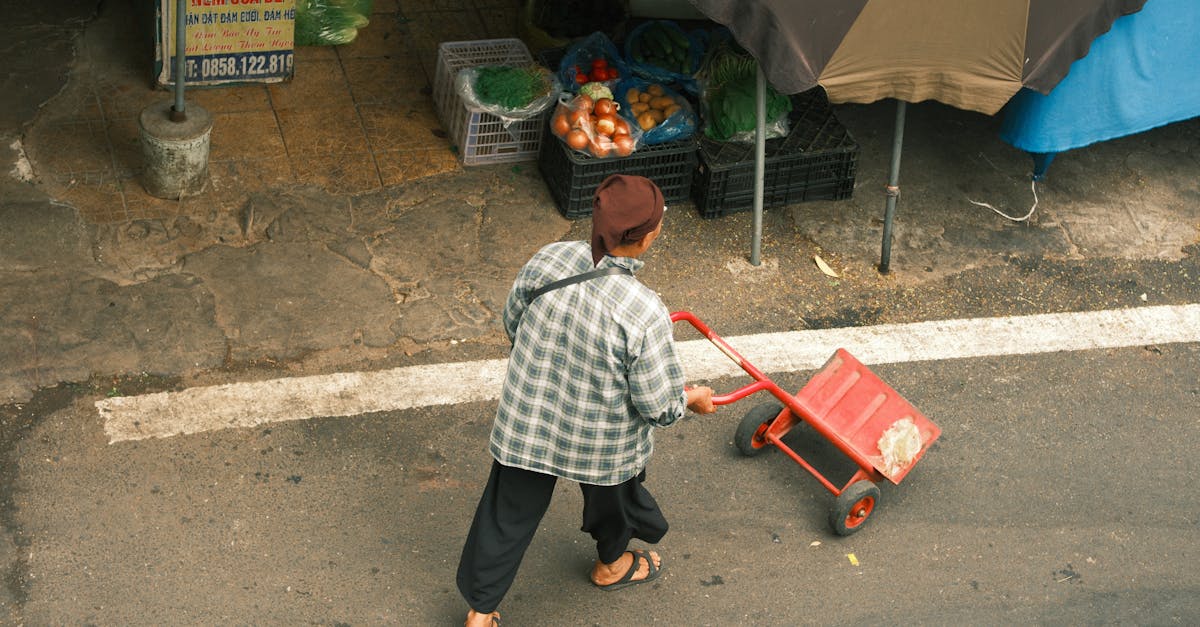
893,188
760,149
179,111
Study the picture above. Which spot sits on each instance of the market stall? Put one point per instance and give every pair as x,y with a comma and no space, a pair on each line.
672,101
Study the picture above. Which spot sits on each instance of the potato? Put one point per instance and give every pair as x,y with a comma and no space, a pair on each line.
646,121
655,90
661,102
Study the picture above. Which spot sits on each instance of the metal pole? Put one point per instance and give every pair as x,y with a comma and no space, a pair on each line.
893,188
760,150
179,111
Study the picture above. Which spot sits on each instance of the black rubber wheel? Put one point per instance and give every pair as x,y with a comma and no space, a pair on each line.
853,507
744,437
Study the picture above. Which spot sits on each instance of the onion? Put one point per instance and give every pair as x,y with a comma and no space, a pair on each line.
601,147
577,139
623,144
606,124
604,106
560,125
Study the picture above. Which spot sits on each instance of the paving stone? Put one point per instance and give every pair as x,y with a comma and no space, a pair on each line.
281,300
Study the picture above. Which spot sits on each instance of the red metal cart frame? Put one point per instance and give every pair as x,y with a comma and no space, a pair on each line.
846,404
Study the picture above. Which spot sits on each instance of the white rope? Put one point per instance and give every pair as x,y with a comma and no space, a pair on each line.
1032,186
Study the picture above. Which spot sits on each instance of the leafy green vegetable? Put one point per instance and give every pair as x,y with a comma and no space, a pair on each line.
510,87
733,107
731,95
330,22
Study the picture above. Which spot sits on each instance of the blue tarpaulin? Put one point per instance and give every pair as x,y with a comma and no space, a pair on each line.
1143,73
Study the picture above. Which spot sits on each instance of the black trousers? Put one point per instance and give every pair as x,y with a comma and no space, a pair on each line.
510,510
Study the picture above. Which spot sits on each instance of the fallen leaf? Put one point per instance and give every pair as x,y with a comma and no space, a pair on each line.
852,558
824,266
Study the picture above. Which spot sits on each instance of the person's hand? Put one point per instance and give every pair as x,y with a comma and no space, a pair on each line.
699,400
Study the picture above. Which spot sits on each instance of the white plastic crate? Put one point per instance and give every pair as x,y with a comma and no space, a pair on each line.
481,137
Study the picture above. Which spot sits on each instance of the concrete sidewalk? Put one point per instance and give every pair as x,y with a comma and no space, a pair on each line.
338,230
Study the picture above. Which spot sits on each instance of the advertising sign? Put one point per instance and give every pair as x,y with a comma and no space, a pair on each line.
228,41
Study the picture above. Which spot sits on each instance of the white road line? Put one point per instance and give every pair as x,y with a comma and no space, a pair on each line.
347,394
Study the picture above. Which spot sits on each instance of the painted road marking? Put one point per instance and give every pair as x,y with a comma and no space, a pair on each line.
249,404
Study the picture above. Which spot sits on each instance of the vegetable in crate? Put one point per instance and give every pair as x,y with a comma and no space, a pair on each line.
594,59
731,98
599,71
660,113
510,87
511,93
594,127
663,45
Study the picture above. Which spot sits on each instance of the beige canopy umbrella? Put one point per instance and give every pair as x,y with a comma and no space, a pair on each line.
971,54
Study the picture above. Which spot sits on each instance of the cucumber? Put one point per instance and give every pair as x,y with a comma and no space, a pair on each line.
635,49
649,44
676,36
661,38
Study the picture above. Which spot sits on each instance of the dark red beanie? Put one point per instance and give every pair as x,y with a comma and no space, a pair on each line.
624,209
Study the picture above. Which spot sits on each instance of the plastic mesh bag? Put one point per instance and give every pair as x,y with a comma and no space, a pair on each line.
330,22
507,92
729,96
677,122
660,51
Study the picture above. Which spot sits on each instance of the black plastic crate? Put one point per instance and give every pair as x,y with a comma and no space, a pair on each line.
816,161
573,177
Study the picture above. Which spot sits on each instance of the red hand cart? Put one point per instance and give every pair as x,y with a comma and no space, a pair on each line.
849,406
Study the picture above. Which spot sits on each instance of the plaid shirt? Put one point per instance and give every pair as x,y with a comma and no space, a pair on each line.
593,370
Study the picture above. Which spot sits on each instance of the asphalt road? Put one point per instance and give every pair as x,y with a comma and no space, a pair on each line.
1059,492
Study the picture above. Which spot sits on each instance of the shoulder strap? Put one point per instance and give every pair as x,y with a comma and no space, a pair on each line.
578,278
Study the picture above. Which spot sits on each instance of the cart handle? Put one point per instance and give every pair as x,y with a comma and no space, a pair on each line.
761,382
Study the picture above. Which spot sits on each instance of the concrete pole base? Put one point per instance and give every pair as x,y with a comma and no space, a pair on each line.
176,153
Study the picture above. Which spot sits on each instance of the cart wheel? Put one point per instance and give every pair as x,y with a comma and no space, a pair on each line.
854,505
749,426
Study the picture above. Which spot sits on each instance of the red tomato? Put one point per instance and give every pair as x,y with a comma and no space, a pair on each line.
582,78
612,74
599,64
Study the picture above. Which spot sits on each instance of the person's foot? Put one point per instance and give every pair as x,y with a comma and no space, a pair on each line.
477,619
604,575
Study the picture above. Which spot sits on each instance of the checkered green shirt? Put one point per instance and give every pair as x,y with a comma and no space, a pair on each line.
593,370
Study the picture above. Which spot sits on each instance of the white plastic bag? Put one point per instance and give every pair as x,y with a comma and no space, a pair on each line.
900,445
